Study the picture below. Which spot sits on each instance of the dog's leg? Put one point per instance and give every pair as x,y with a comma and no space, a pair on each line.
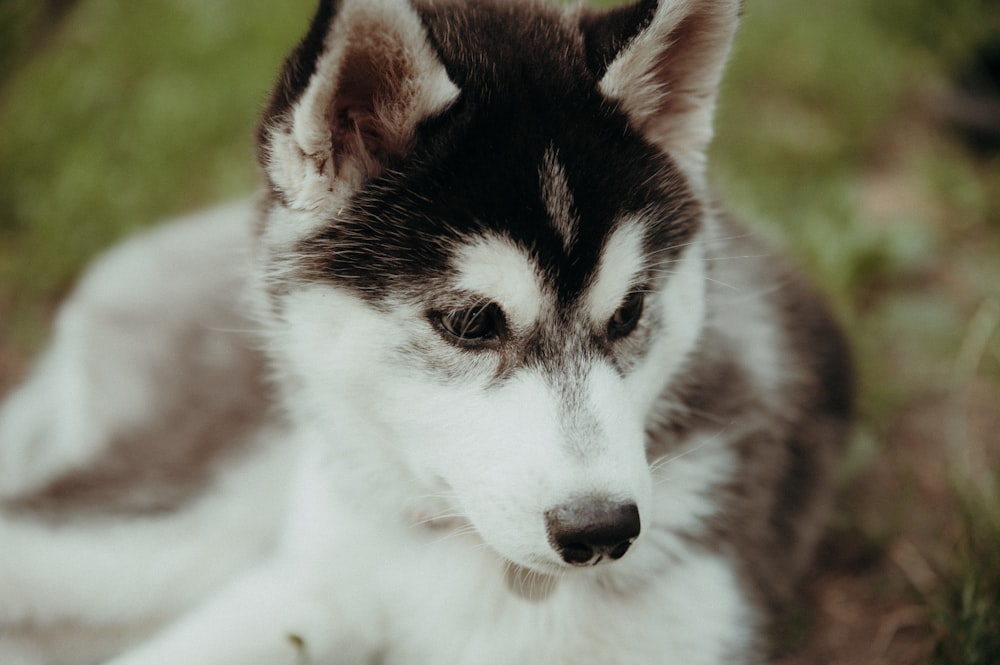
307,600
274,616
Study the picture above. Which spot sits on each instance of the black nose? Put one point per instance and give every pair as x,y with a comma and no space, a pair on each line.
587,531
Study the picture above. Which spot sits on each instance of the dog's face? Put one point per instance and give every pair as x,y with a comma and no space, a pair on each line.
484,251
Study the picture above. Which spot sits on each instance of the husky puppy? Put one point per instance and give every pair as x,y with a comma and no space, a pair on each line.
483,377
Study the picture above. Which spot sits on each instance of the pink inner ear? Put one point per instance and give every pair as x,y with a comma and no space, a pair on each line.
357,133
361,115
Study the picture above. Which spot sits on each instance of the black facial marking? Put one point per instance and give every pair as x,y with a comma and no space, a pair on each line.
526,88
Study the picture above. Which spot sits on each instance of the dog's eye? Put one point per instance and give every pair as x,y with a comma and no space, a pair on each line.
481,325
627,316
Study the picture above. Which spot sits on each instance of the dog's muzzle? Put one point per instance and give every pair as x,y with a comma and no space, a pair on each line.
589,531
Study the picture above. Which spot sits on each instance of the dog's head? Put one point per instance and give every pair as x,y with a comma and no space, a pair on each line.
483,249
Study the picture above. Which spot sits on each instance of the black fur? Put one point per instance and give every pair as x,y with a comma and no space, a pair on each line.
605,34
525,86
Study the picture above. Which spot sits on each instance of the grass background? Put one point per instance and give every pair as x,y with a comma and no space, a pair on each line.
840,135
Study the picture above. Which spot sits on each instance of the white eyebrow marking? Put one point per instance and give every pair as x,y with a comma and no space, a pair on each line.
557,197
493,267
621,260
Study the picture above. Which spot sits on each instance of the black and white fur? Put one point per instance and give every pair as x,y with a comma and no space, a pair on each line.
482,377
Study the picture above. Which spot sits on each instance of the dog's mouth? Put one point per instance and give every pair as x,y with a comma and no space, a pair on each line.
526,583
531,585
584,534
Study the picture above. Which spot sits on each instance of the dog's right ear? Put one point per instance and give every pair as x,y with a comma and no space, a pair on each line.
349,100
662,62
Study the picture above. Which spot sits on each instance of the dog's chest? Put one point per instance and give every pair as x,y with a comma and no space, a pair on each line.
456,607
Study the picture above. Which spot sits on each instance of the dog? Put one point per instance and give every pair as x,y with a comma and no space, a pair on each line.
483,375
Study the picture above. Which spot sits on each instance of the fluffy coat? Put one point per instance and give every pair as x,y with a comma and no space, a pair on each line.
482,376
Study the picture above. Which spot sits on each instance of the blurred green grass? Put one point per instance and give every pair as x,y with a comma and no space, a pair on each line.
125,113
830,139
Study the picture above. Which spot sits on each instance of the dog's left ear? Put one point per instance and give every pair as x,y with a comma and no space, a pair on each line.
349,100
663,62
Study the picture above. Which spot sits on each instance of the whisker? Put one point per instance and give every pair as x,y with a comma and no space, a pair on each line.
661,462
721,283
706,241
721,258
465,530
705,277
439,517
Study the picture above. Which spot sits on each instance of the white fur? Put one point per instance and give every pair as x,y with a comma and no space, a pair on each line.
682,303
78,590
377,442
557,197
498,454
382,515
206,254
71,567
302,163
761,343
493,268
621,260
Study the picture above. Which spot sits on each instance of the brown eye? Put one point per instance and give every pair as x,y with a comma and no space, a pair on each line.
627,316
475,326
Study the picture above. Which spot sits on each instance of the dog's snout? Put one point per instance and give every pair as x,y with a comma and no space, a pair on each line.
587,532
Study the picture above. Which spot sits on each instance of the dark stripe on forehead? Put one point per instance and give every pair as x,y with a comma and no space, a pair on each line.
525,90
558,198
401,232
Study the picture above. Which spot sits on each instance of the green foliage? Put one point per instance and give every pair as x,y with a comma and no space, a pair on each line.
967,608
829,140
944,28
127,112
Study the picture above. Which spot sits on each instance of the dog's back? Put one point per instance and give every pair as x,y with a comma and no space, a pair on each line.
777,371
153,359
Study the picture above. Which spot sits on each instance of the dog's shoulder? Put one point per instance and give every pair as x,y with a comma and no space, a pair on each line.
773,375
